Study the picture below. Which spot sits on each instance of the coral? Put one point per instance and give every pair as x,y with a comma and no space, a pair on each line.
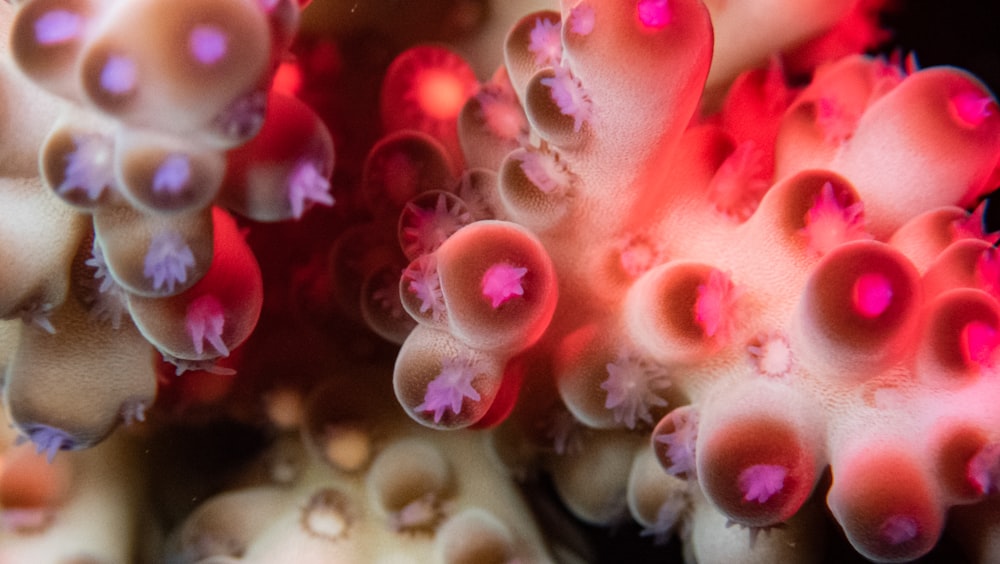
82,506
405,495
137,143
695,269
779,323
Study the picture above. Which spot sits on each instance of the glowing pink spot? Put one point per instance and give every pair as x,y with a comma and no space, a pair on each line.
654,14
288,78
761,481
119,75
978,340
208,44
971,108
872,294
713,309
57,26
440,93
502,282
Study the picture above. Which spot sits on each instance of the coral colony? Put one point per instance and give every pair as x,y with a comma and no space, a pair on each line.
703,274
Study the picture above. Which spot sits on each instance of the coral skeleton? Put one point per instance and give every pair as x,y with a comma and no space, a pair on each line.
707,270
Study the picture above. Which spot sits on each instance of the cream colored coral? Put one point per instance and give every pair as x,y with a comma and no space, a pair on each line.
420,497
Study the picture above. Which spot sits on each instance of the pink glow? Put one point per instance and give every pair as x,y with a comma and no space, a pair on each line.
713,309
440,93
978,340
502,282
972,108
654,14
288,78
872,294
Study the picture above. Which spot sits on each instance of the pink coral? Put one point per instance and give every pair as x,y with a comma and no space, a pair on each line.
711,293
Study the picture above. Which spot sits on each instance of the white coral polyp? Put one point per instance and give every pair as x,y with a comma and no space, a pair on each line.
167,261
633,387
90,167
450,388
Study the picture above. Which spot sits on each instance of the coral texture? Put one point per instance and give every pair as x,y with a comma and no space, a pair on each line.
698,269
809,294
